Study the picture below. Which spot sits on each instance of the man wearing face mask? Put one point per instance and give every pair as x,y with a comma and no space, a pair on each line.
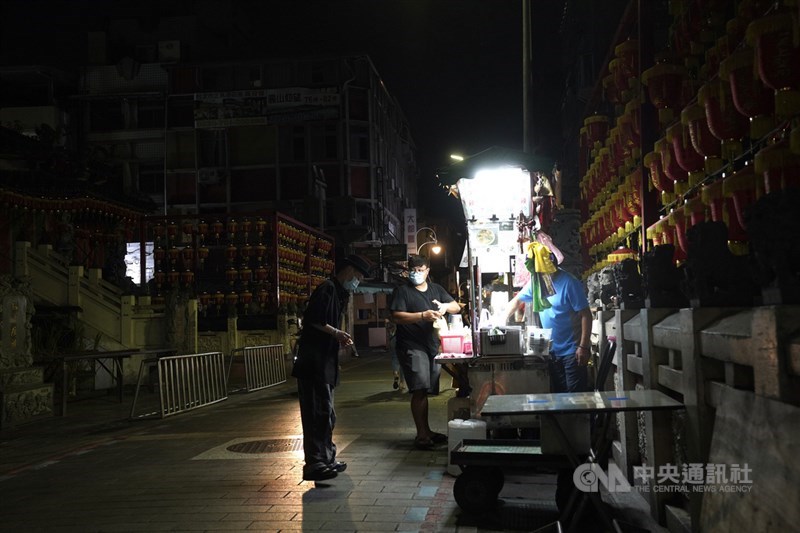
316,366
415,307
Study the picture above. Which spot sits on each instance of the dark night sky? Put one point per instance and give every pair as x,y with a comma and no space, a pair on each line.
453,65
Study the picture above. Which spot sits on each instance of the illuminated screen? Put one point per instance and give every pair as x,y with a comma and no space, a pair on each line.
133,259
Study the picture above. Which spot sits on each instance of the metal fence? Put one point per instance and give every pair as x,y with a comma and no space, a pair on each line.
186,382
264,366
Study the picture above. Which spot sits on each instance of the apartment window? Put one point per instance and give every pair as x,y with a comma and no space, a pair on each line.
217,79
324,142
106,115
150,114
213,148
151,179
359,143
292,143
253,185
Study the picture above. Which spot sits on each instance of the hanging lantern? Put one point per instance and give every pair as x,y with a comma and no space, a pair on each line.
187,277
231,299
172,230
231,252
231,275
173,276
777,49
159,254
188,227
724,122
751,98
677,222
744,187
216,228
202,255
202,229
246,274
174,253
261,226
611,89
693,117
159,277
219,300
260,251
247,226
596,129
627,71
665,88
159,231
261,273
232,226
205,299
779,166
188,257
694,211
672,169
246,251
685,154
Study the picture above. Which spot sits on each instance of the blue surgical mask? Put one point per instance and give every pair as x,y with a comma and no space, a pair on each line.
416,278
351,284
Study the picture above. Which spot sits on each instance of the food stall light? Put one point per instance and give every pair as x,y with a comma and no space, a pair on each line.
436,249
456,157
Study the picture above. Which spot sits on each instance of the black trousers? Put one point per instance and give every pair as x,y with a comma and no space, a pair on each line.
318,418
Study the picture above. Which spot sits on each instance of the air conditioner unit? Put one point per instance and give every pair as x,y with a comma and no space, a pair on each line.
169,51
210,176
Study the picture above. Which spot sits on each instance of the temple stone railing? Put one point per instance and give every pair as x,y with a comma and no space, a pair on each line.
737,371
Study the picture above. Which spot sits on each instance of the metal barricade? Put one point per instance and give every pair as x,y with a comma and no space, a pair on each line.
264,366
186,382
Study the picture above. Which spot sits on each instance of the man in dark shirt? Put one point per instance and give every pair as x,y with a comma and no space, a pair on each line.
316,366
415,307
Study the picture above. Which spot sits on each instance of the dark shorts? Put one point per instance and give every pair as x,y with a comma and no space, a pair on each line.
419,370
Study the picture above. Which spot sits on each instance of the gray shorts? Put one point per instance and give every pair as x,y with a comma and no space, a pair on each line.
419,370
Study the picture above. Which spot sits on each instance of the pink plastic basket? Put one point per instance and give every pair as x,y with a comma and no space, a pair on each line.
452,343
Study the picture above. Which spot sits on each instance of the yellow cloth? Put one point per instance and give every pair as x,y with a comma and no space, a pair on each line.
541,258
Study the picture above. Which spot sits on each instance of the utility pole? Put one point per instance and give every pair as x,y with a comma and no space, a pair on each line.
526,76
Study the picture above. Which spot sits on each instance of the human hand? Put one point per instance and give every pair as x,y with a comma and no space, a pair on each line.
343,338
431,316
582,355
442,307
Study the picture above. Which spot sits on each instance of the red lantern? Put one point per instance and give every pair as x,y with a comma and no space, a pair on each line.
202,228
724,122
685,155
670,165
665,87
159,254
261,274
159,277
187,277
261,226
693,117
188,227
774,39
750,97
779,166
231,275
232,227
232,252
744,187
219,299
596,129
204,299
216,227
172,230
246,275
174,253
173,276
188,256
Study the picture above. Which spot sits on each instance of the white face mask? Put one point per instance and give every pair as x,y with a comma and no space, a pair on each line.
416,278
351,284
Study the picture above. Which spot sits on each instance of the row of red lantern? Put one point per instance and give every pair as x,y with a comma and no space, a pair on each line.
245,274
216,228
219,300
617,217
15,200
618,156
772,52
776,167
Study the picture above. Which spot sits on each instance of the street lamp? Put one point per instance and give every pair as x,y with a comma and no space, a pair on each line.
436,248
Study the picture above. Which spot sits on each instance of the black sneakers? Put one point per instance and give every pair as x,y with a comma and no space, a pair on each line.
321,474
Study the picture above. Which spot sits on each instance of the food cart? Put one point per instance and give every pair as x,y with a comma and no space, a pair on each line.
496,188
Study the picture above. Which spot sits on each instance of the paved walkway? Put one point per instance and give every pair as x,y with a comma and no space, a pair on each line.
236,466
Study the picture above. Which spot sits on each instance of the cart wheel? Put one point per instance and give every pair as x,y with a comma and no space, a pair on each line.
476,489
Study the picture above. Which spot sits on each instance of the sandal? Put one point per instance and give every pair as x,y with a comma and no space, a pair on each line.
438,438
423,443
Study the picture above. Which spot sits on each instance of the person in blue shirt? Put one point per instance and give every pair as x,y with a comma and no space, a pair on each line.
570,320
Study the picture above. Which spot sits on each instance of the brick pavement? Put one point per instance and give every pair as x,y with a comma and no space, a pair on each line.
236,466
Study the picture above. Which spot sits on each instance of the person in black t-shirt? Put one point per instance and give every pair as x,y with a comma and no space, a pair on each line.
316,366
415,307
